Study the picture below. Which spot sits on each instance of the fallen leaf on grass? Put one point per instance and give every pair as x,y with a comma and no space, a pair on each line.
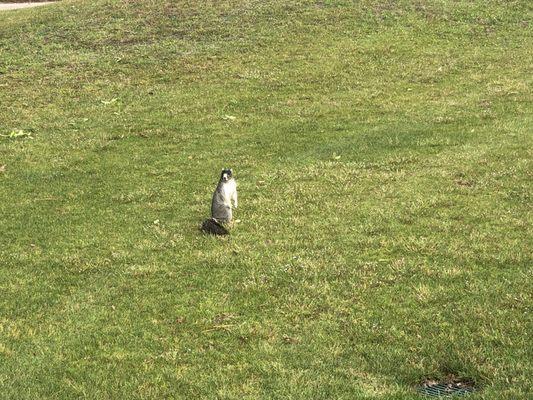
290,340
18,133
464,183
3,168
107,102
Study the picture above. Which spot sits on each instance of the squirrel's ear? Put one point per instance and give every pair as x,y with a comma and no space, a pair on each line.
231,171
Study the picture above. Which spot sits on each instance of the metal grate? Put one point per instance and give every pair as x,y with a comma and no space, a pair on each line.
440,389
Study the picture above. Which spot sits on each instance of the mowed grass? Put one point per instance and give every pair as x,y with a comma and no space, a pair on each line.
383,158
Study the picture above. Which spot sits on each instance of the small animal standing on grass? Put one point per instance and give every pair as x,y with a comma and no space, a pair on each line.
221,207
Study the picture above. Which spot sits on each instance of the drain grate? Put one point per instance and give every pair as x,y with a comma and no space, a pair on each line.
441,389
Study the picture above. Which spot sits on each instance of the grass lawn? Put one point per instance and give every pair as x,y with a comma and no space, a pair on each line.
383,155
25,1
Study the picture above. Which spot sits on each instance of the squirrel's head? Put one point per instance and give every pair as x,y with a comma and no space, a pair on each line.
226,175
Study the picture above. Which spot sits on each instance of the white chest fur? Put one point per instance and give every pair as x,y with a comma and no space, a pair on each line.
228,189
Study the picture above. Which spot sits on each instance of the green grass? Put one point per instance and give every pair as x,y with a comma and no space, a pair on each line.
383,156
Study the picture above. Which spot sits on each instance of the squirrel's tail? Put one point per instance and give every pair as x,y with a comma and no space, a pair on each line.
213,227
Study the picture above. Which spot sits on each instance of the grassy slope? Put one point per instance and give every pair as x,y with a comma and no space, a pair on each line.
382,154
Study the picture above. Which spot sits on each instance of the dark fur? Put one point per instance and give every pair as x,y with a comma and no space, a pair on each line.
227,171
213,227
